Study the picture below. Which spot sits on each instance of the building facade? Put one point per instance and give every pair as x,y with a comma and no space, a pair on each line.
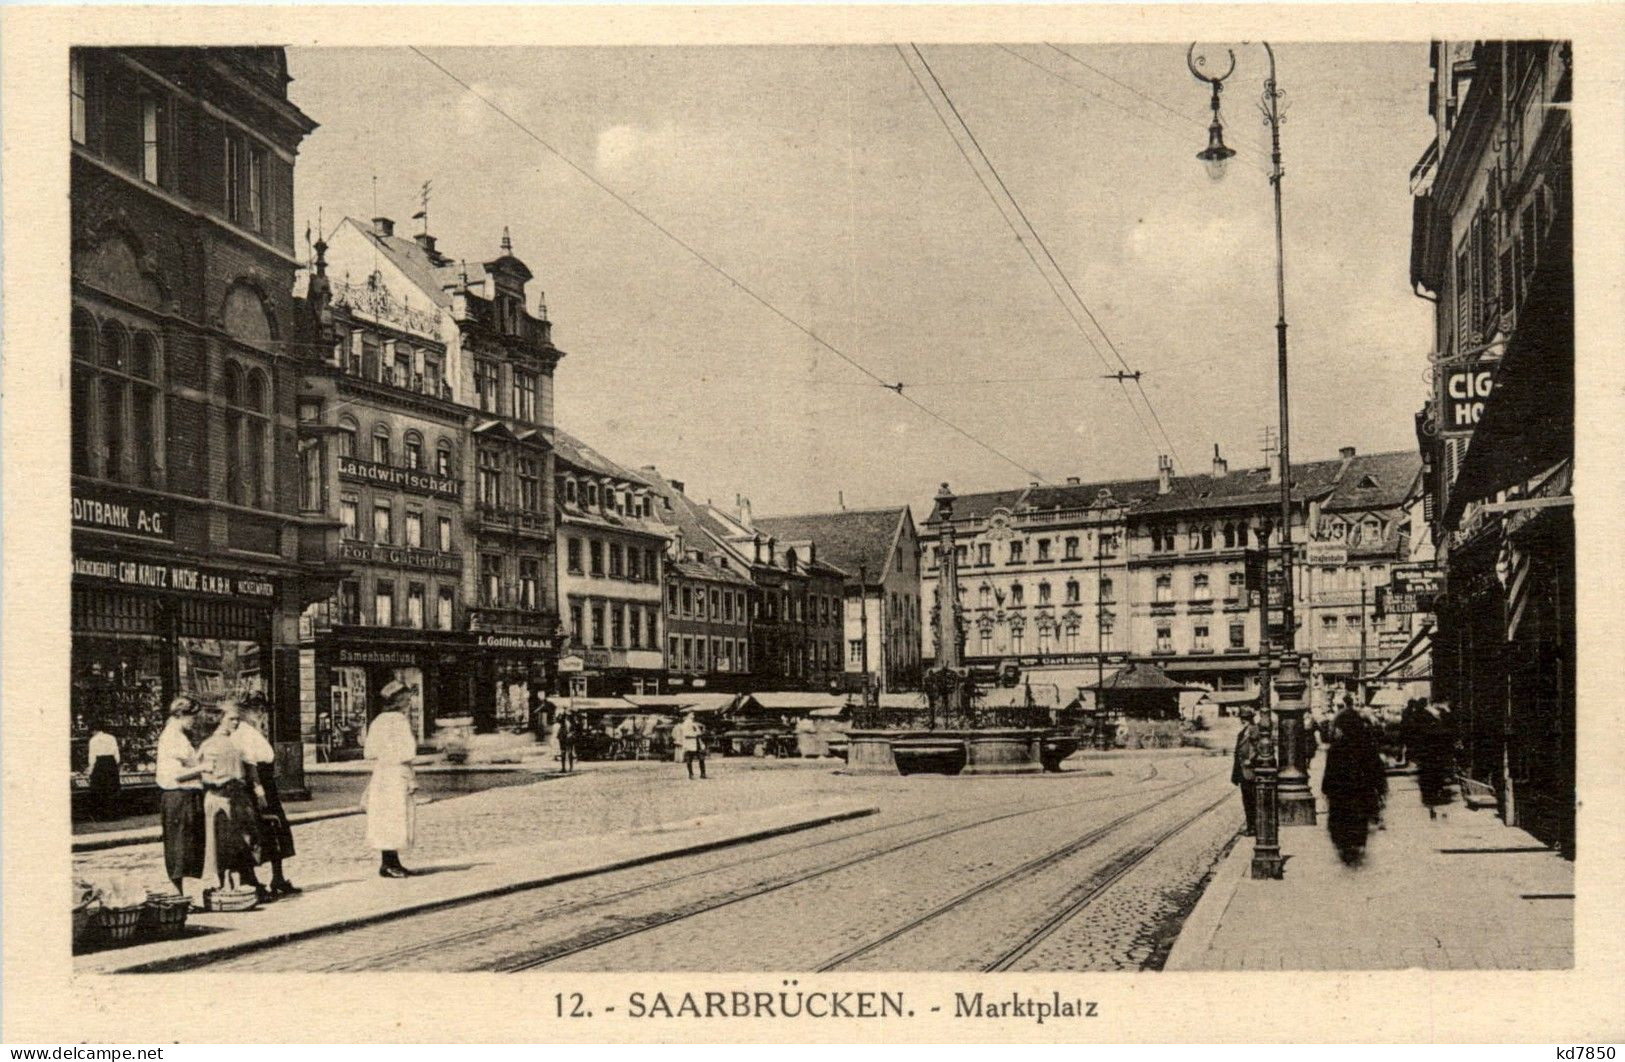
612,561
191,561
879,550
447,380
1492,248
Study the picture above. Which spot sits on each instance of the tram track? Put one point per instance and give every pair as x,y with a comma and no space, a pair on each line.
592,942
1031,868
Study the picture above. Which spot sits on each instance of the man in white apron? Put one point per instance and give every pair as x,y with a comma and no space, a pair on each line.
391,814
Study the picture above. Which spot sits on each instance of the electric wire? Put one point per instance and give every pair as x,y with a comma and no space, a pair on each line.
719,270
1031,229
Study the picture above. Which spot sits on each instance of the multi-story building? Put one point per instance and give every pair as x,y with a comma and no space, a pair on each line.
1043,575
1492,250
611,566
796,622
382,442
709,599
1098,575
460,336
879,551
189,551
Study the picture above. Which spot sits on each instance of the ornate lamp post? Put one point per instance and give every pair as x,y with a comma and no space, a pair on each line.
1297,803
947,685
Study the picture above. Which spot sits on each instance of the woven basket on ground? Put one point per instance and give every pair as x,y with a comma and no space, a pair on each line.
231,899
119,923
165,914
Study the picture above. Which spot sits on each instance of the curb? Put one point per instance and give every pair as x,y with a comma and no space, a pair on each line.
96,842
1202,924
227,949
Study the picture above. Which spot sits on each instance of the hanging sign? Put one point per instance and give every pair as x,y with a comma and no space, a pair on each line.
1466,389
1326,554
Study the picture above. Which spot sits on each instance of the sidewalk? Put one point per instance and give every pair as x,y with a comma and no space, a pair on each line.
352,901
1463,892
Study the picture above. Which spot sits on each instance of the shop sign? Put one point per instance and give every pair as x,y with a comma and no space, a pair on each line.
571,665
1326,554
1466,389
491,640
1392,602
402,557
105,510
176,578
1417,582
391,657
412,479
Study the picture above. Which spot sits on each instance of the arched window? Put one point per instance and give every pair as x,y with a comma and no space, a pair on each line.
444,461
349,432
1043,593
1017,594
380,444
1207,536
115,422
412,451
1229,536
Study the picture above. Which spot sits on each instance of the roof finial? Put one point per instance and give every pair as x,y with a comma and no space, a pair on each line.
507,242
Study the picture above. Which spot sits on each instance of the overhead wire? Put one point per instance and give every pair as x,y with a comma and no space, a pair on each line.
718,269
1049,256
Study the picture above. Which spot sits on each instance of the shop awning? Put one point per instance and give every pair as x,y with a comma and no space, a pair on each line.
1528,422
1414,663
683,702
593,704
791,701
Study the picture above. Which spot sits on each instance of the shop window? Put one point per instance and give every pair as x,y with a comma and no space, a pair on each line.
445,534
380,445
383,607
572,556
444,607
414,529
383,518
412,450
414,605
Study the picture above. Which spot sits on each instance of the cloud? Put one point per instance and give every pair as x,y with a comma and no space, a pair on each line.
627,148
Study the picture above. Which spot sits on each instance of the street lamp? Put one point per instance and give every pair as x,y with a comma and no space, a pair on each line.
1297,803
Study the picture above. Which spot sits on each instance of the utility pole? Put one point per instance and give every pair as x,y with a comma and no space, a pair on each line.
1100,633
863,621
1359,672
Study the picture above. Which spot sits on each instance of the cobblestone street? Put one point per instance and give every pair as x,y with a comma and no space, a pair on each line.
951,874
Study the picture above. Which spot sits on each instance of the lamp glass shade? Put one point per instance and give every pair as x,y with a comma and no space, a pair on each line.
1216,154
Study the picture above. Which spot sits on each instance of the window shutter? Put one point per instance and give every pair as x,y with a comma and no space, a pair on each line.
1464,295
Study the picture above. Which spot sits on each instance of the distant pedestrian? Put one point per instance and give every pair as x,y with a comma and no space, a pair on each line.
690,737
568,729
391,812
1434,747
1355,784
1241,769
103,777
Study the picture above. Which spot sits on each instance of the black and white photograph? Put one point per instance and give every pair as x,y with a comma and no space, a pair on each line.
1056,505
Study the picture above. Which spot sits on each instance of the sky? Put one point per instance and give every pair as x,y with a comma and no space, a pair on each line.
823,179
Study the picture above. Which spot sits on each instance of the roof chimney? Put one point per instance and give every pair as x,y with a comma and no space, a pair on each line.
1074,481
744,511
383,226
1220,465
676,485
425,241
1275,465
1165,473
1347,453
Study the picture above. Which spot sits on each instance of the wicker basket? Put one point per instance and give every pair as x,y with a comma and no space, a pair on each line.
231,899
119,923
165,914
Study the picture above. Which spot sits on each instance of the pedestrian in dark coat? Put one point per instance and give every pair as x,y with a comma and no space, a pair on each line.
1355,784
1434,751
1241,768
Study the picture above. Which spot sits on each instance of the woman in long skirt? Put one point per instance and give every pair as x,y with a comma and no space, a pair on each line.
1434,753
259,759
104,774
1355,784
231,825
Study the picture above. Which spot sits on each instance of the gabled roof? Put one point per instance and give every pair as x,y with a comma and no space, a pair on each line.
980,506
688,518
849,539
573,451
434,276
1139,677
1376,481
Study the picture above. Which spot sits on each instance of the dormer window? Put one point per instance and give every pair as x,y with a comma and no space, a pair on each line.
569,492
592,495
